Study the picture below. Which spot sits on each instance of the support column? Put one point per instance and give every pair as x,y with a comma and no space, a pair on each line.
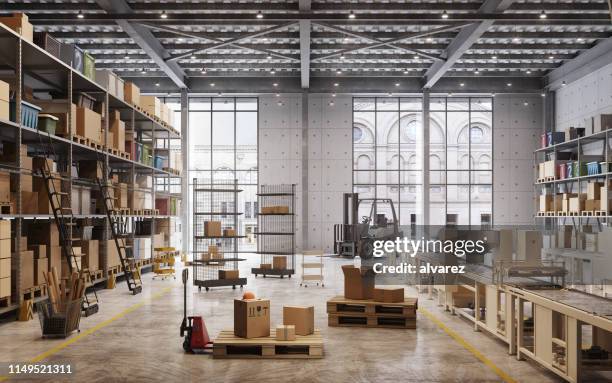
425,161
186,208
305,166
549,111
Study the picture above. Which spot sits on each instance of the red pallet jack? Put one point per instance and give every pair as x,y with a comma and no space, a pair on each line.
193,328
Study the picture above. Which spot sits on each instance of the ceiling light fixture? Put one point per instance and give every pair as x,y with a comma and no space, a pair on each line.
275,84
143,71
259,15
543,94
397,84
272,71
339,72
219,94
543,14
493,94
336,84
212,84
333,94
389,94
164,15
278,95
269,57
580,39
203,71
351,15
526,103
445,14
416,57
342,57
429,39
528,71
462,84
450,94
156,84
494,57
551,57
331,103
564,83
126,57
80,15
509,84
193,57
516,40
406,71
476,71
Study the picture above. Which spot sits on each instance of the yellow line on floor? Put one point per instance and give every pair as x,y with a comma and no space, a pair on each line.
501,373
92,330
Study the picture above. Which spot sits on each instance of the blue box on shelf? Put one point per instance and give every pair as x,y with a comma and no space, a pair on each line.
555,138
570,170
159,162
29,113
593,168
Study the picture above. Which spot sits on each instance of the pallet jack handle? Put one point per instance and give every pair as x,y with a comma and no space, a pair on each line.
185,277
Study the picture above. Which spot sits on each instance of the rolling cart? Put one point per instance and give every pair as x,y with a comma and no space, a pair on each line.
312,260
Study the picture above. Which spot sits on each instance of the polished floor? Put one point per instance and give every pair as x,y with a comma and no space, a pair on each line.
136,339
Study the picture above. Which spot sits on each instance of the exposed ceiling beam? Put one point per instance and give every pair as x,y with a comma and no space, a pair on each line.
218,43
586,63
287,16
233,41
406,36
305,29
146,41
464,40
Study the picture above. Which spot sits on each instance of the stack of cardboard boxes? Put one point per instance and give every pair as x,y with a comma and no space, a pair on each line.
155,107
45,234
252,320
4,101
20,23
5,258
116,134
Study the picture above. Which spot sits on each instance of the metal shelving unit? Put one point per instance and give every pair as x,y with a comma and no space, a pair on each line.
276,230
44,73
216,201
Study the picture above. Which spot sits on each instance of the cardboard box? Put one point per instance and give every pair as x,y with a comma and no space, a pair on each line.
4,91
281,209
112,255
5,187
131,93
602,122
5,229
89,124
594,190
229,233
4,110
41,266
27,269
358,282
107,79
44,205
5,248
577,203
550,169
302,317
117,128
90,169
592,205
546,202
265,266
558,202
5,287
54,258
279,262
40,251
229,274
212,228
529,246
388,294
91,258
27,183
5,267
19,23
29,202
285,332
121,193
151,105
251,318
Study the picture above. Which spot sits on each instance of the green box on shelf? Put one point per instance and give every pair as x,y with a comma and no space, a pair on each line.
47,123
89,66
580,169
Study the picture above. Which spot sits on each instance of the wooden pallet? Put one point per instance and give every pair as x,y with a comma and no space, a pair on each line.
549,179
550,213
80,140
601,213
562,213
122,211
113,151
96,145
540,180
340,306
5,302
34,292
573,213
229,346
356,320
541,214
124,155
172,171
6,208
586,213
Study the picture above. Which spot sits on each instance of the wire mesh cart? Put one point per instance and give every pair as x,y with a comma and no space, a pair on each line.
59,319
276,230
312,267
215,234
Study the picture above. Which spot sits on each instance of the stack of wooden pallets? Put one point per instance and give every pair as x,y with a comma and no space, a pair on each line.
369,313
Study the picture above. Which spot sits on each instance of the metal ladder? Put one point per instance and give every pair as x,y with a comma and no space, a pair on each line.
118,226
64,219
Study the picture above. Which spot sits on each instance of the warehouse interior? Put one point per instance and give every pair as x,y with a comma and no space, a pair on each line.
349,190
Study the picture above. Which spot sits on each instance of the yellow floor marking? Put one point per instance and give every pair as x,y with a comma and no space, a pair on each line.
501,373
90,331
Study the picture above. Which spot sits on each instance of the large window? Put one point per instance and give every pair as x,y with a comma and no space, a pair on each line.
223,146
387,156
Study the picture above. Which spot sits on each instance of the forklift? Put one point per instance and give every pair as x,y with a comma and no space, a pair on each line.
353,238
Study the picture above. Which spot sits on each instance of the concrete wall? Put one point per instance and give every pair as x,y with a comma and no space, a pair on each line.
323,144
517,125
587,97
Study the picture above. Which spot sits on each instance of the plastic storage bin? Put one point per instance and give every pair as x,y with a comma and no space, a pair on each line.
160,162
29,114
569,173
555,138
89,66
579,169
593,168
47,123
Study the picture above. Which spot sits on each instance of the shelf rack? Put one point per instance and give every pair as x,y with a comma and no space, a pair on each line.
37,69
276,230
215,201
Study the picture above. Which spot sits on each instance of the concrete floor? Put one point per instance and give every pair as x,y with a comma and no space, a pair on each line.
143,344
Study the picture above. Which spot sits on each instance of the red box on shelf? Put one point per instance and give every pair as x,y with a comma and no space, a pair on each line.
161,204
562,170
543,140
